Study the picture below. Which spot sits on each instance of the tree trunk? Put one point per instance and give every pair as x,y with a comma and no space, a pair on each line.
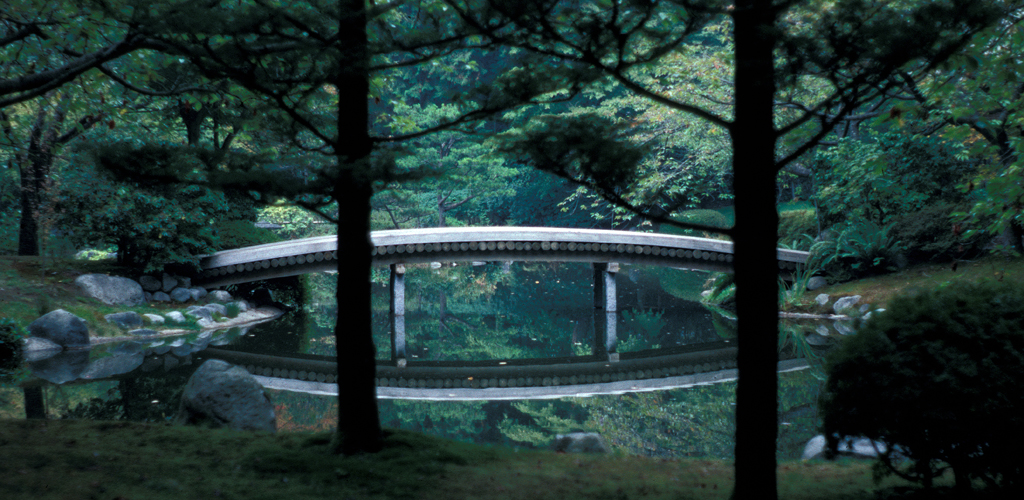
755,236
359,428
35,171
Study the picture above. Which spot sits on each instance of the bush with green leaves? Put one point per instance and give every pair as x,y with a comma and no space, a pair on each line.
11,334
857,250
150,224
888,175
937,377
936,234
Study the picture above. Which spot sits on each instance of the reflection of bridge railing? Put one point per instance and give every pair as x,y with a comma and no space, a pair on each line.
510,379
289,258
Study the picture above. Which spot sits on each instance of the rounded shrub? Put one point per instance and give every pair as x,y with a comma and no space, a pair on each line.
937,377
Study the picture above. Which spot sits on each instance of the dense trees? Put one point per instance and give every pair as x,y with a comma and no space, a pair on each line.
317,73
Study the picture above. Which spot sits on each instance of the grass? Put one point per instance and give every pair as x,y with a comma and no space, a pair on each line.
879,290
86,459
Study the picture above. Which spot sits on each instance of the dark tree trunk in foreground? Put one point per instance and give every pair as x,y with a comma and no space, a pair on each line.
359,427
755,236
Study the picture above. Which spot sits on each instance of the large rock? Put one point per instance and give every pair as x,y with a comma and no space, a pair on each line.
111,289
223,395
62,328
150,284
220,296
845,303
125,320
816,282
580,442
181,295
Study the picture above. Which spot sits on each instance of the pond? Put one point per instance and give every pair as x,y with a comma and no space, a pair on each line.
470,313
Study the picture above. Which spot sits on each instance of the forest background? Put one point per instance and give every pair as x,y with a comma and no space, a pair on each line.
897,175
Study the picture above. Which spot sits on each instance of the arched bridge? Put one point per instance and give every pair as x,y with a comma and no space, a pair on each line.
407,246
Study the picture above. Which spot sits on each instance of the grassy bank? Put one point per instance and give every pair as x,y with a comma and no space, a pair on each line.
81,459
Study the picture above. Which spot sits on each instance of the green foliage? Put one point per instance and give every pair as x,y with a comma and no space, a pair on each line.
150,224
893,175
935,233
232,310
11,355
794,225
705,217
938,375
242,233
859,249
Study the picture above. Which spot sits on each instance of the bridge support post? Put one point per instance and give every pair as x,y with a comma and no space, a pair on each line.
396,284
605,309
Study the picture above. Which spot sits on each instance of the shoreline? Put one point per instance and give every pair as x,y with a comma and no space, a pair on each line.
250,317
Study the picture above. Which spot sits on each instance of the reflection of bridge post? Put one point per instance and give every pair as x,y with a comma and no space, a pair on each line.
605,308
397,285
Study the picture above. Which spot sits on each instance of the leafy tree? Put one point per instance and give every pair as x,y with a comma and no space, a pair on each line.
150,224
936,377
848,48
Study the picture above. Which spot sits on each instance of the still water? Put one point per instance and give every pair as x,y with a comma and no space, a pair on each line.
478,312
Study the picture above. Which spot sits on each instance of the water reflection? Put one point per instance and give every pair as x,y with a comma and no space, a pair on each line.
467,313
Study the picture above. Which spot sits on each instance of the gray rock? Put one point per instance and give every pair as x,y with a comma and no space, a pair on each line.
857,447
198,293
61,327
871,313
112,365
243,306
580,442
154,319
816,282
161,297
111,290
181,295
865,308
184,282
845,303
125,320
814,339
148,296
220,296
142,332
65,366
822,330
222,395
822,299
844,327
217,308
199,312
168,283
37,349
150,284
175,317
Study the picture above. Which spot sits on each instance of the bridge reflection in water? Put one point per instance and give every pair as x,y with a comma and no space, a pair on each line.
605,371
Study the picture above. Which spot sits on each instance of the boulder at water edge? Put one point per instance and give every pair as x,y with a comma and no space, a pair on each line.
223,395
125,320
62,328
580,442
111,289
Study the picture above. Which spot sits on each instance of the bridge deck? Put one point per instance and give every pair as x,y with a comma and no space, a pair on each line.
481,243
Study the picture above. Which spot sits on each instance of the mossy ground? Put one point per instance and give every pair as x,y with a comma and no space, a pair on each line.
87,459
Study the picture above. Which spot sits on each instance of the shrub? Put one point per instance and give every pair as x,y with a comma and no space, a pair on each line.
929,234
702,216
794,224
938,377
860,249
